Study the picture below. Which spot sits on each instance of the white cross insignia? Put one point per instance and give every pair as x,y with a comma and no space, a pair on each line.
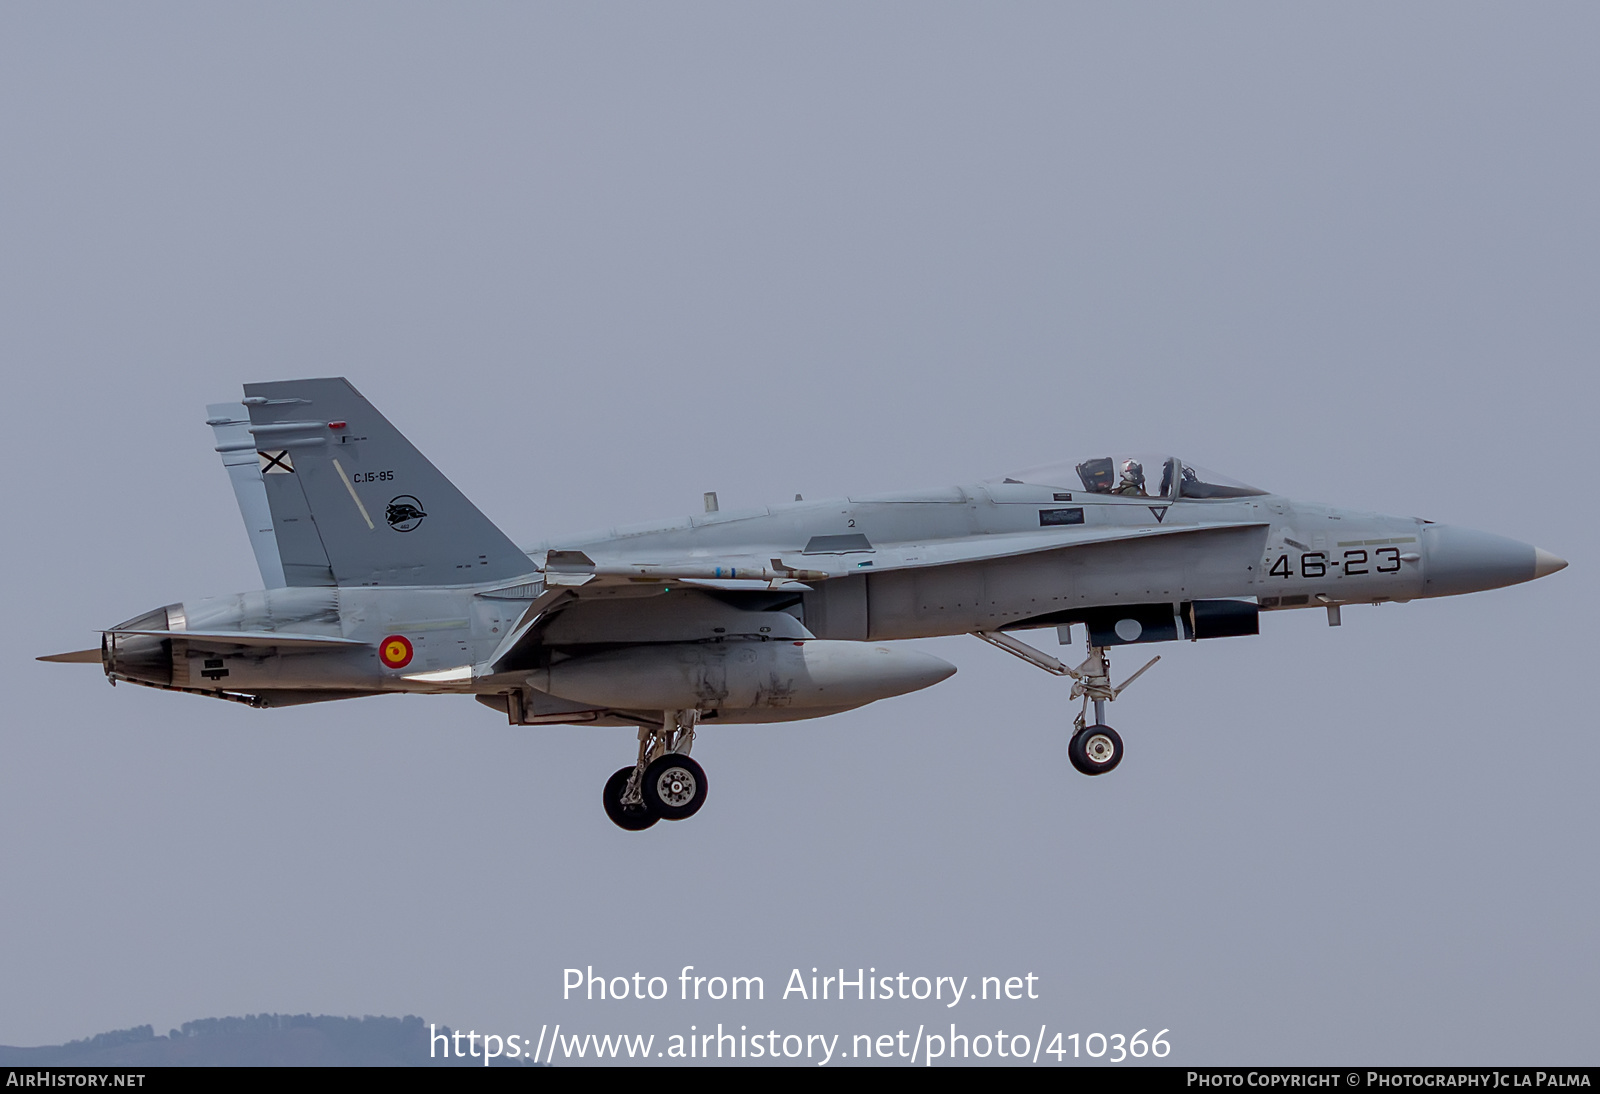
276,463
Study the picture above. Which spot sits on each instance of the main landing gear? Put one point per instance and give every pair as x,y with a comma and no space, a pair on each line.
1094,749
664,783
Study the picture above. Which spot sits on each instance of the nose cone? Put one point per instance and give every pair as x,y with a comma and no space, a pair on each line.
1545,563
1461,560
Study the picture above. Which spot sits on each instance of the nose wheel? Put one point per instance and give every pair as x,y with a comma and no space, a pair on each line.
1094,750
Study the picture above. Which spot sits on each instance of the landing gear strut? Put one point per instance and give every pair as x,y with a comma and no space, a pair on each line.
663,783
1094,749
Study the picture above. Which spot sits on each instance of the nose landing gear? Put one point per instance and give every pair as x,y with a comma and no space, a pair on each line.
1094,749
664,783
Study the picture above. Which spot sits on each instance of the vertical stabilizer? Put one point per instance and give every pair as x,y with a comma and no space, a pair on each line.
341,480
230,423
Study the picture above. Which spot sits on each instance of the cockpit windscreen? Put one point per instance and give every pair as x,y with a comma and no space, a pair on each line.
1140,476
1197,482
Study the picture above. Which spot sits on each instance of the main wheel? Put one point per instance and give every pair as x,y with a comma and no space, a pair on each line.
1095,750
674,787
633,818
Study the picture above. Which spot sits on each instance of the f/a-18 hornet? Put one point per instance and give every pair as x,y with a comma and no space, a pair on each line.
380,576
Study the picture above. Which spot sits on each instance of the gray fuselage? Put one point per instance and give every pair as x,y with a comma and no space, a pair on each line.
979,557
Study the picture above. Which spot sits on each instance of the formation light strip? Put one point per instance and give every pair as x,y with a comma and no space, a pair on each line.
443,676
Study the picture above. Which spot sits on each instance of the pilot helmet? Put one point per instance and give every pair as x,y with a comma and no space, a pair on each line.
1132,469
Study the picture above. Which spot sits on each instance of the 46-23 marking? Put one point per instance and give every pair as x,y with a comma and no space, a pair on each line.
1384,560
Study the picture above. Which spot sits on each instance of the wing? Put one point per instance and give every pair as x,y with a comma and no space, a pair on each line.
777,566
587,601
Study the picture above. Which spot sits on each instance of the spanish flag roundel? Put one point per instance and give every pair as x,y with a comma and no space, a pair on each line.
395,651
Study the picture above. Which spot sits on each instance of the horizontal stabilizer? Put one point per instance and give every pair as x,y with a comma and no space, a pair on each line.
76,657
252,638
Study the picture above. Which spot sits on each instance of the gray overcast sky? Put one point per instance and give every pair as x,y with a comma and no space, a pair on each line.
596,259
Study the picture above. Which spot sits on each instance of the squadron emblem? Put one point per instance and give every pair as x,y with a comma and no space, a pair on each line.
404,513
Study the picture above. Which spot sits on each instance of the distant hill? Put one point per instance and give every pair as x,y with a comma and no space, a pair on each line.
256,1040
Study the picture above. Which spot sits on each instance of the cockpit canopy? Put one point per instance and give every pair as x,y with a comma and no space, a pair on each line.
1138,476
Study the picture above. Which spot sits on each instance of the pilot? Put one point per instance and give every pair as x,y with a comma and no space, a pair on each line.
1132,484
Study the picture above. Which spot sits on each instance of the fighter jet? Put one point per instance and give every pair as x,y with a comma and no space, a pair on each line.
380,576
